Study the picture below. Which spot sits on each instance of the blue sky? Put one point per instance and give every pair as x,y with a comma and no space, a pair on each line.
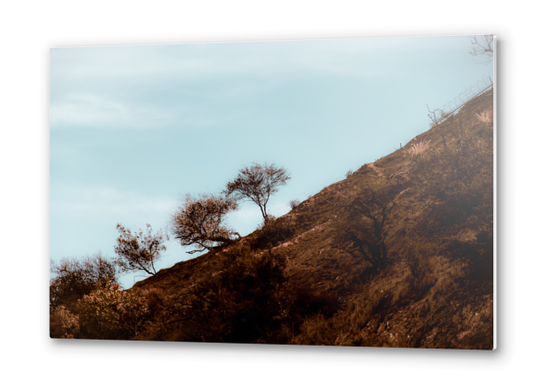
134,128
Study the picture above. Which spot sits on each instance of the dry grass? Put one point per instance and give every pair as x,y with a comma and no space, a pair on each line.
417,149
485,116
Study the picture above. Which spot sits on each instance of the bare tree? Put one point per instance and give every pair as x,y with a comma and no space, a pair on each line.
482,45
139,251
200,222
76,277
372,207
257,183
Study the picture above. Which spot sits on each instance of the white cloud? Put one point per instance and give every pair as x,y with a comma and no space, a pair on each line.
98,111
70,201
87,109
156,86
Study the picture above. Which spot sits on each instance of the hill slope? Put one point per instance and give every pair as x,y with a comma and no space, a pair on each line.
398,254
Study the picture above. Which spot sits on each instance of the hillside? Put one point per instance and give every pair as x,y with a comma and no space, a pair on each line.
399,254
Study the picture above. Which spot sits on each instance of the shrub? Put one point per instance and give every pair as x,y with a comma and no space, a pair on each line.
63,324
110,313
346,326
485,116
75,278
246,302
349,173
294,203
417,149
249,300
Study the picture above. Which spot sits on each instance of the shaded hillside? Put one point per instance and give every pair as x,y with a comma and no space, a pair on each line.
399,254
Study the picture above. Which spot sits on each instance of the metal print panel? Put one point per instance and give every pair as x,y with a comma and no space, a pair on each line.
318,192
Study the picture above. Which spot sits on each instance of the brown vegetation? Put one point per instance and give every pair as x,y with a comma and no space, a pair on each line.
200,222
257,183
139,251
399,254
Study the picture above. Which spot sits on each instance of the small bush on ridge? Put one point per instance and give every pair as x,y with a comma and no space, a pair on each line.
294,203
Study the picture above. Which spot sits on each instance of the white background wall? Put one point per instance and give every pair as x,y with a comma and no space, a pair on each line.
28,29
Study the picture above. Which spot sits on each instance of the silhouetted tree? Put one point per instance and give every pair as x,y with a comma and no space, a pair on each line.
139,251
200,222
370,209
257,183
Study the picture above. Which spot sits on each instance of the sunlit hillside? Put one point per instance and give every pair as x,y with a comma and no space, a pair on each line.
398,254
